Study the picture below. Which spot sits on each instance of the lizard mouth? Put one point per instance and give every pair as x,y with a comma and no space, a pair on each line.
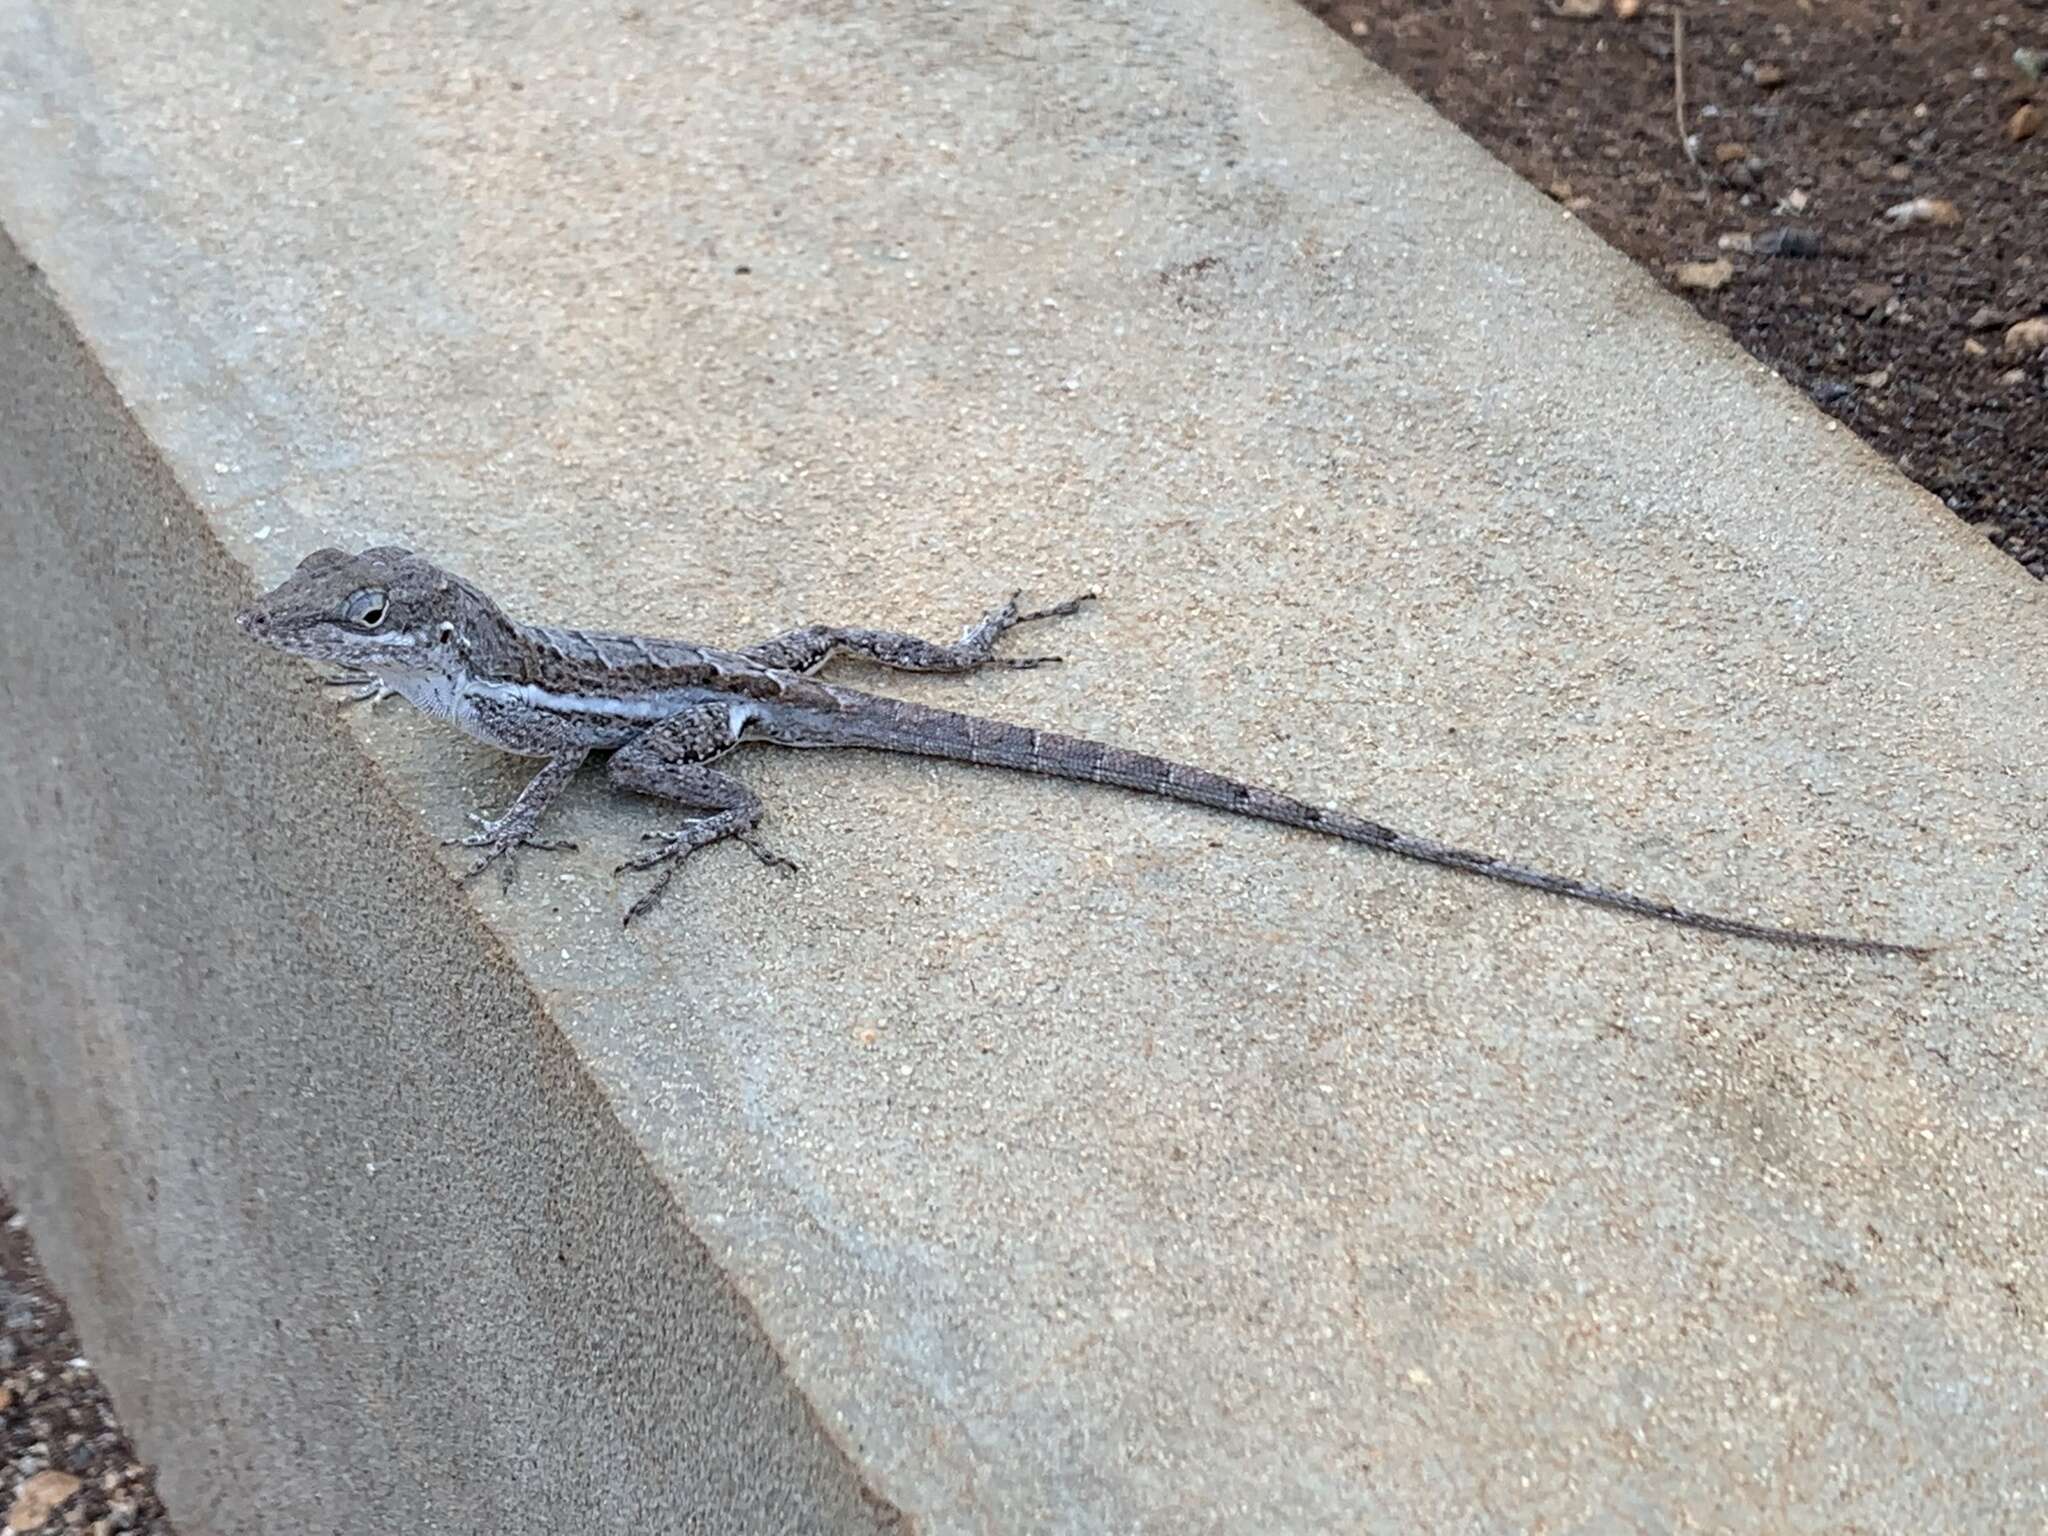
259,625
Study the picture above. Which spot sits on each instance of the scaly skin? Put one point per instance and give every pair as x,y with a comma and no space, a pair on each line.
666,709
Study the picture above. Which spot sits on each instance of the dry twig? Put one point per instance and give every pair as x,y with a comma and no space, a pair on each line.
1678,91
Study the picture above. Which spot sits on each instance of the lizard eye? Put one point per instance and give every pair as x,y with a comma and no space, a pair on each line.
447,632
366,609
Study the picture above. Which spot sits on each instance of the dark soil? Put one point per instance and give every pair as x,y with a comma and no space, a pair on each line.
54,1418
1812,117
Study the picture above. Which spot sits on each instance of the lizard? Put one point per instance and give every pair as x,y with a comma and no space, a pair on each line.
665,710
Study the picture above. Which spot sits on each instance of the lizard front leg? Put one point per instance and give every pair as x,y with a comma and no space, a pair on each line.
498,837
668,761
808,649
369,688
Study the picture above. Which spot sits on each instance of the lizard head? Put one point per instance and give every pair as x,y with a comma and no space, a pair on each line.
384,609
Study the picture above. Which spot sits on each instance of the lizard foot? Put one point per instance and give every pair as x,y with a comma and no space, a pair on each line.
369,689
498,839
678,845
1000,621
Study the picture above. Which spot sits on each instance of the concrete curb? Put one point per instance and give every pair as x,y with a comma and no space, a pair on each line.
1039,1160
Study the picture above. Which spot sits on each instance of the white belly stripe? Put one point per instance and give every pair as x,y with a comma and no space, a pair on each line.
653,706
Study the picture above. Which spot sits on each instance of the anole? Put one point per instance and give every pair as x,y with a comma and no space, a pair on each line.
667,709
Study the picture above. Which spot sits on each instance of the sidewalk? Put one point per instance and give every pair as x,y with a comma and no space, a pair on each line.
1040,1159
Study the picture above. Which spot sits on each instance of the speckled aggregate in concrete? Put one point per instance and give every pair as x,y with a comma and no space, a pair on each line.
1093,1164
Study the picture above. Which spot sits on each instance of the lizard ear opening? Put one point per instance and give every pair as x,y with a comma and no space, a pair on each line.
447,632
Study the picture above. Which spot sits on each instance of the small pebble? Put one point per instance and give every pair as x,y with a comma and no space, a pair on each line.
1924,210
1788,241
2027,336
41,1496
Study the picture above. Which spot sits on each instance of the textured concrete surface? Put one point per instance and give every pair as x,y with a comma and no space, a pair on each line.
356,1242
1090,1164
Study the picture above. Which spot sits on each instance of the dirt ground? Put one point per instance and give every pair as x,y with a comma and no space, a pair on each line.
65,1464
1812,118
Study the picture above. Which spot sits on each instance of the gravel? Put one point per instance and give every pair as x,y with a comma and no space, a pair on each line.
65,1462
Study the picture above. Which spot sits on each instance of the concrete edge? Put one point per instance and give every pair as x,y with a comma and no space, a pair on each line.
344,1222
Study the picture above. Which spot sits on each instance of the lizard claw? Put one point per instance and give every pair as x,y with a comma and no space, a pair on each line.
675,847
769,858
369,690
978,643
648,898
678,845
668,858
1058,611
498,839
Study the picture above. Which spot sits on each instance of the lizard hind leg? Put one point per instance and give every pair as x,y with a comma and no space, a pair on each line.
669,763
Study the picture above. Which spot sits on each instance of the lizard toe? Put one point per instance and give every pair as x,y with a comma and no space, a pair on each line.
1070,607
769,858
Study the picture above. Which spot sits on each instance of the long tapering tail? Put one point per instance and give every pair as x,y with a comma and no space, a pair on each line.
884,724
